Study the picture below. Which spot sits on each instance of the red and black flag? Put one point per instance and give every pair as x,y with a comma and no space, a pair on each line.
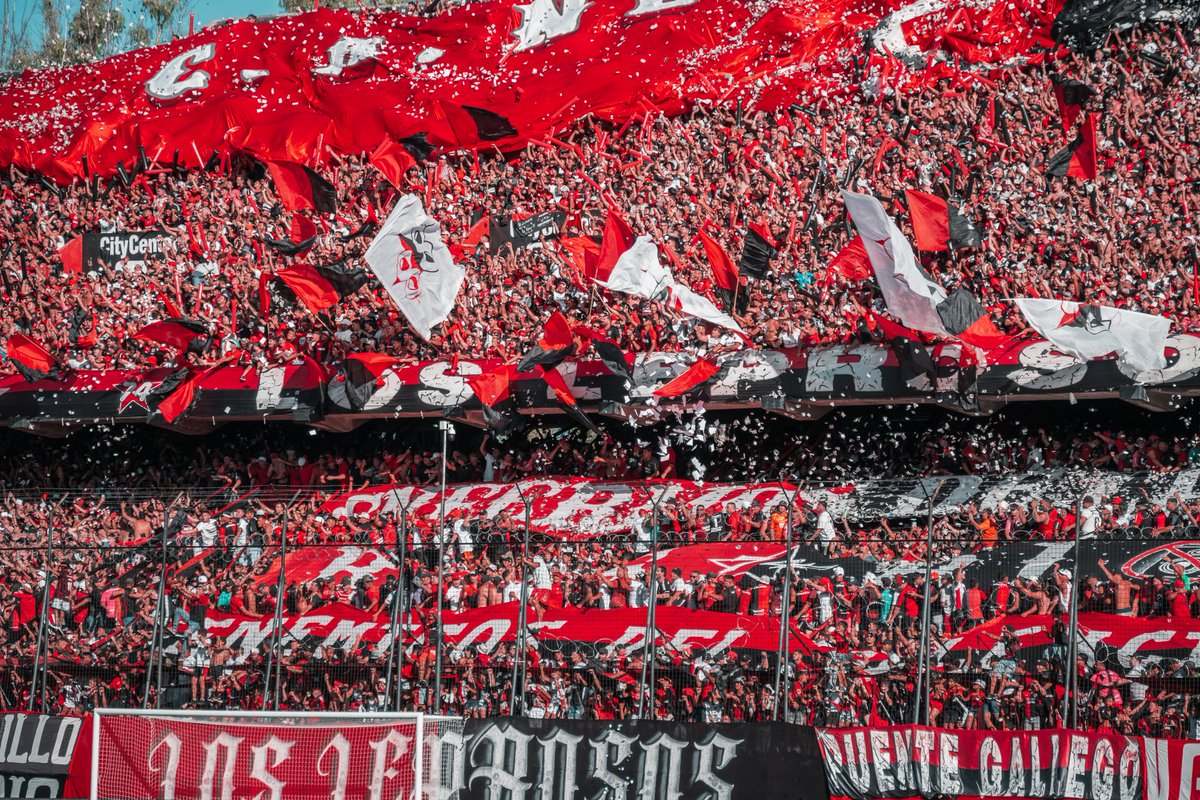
613,358
964,318
83,328
299,187
938,224
725,273
175,395
618,237
562,393
852,261
759,249
494,390
696,375
916,364
470,125
31,359
1071,95
361,373
185,335
318,288
1078,159
556,345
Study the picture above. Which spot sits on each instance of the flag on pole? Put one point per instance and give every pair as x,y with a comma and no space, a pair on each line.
910,294
725,273
32,359
695,375
556,344
939,224
638,271
361,373
1090,331
299,187
414,265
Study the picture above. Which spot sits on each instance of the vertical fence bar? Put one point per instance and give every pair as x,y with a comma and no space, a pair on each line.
923,687
274,662
1070,678
446,429
395,664
648,666
783,659
160,608
42,617
517,701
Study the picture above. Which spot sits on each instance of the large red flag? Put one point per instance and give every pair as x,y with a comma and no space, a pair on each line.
725,272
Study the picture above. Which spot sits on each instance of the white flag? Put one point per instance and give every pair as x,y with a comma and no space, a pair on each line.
415,266
1089,331
910,294
638,271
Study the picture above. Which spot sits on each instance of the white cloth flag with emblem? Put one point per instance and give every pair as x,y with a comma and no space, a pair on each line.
910,294
638,271
1090,331
412,262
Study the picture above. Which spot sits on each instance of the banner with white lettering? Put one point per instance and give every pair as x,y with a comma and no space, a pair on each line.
35,754
546,759
130,247
913,761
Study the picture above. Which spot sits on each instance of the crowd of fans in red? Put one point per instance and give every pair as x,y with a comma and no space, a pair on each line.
856,594
714,170
93,603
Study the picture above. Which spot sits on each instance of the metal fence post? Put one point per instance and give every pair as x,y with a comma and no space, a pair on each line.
781,667
160,611
395,664
42,617
447,429
923,688
274,662
517,701
1071,673
648,666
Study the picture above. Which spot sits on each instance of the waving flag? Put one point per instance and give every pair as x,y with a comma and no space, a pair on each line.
638,271
1071,96
1078,159
309,287
393,161
187,335
361,373
938,224
725,274
910,294
494,390
852,261
557,343
414,265
759,248
71,256
299,188
31,359
1090,331
695,375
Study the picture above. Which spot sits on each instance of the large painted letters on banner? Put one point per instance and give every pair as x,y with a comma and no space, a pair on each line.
911,761
35,754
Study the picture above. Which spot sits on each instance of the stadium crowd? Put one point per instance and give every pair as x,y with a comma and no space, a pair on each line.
85,603
715,169
855,601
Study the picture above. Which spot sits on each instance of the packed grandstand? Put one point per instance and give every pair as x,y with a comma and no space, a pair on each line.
687,396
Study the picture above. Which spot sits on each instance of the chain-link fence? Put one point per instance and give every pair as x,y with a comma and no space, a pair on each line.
797,603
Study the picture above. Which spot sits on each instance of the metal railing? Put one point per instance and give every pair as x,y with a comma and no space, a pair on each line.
1045,614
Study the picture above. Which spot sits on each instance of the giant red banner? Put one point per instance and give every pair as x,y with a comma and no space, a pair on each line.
497,72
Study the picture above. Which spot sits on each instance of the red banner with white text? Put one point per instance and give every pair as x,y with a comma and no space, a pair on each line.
299,88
